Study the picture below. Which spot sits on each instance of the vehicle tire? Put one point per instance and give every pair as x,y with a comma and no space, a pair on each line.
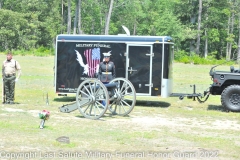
230,98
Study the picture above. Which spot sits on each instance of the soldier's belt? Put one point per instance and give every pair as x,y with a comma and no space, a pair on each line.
106,72
10,75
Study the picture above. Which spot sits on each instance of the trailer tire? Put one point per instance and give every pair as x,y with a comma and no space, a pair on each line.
230,98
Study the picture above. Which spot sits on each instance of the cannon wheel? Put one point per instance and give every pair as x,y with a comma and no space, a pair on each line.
90,97
124,98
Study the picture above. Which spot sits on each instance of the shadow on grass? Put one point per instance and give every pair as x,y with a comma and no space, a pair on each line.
11,104
99,119
152,103
79,116
65,99
217,108
106,115
138,102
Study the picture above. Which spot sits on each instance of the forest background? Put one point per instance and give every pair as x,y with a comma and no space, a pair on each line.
203,31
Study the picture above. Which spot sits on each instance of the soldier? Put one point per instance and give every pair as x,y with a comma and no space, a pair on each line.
9,68
106,69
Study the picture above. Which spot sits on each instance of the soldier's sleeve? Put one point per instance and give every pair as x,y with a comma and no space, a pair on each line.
19,72
2,69
18,67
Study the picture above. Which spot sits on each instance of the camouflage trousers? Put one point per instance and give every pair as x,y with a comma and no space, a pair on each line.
9,87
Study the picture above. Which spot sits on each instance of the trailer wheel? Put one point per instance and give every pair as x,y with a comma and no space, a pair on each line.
124,98
230,98
90,96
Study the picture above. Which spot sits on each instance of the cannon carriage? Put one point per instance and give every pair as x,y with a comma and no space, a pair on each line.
93,98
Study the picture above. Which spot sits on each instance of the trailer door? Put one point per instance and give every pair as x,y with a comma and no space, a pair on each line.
139,67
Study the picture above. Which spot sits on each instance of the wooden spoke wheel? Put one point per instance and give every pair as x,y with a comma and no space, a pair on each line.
123,98
92,98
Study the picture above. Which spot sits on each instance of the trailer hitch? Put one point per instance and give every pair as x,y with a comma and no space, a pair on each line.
193,96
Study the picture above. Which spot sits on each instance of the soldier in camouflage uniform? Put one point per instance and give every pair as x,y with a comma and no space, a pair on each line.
9,68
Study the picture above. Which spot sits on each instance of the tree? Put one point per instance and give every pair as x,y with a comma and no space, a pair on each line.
195,28
188,17
214,24
108,17
238,52
199,26
76,18
69,18
79,17
11,33
230,31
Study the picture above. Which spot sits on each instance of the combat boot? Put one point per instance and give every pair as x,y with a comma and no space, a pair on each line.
11,102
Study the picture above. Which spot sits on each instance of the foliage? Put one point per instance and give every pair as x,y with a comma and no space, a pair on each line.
27,25
12,29
41,52
185,57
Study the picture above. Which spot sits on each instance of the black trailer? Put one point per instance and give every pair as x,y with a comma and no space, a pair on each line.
146,61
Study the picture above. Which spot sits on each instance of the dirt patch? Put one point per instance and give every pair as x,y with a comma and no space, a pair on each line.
13,110
153,122
150,123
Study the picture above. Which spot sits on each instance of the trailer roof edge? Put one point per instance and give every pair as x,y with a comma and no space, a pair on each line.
110,38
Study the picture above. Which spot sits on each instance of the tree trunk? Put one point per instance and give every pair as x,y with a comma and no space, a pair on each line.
238,52
193,18
69,17
62,18
231,32
75,19
206,34
108,17
135,28
227,47
206,45
199,26
79,17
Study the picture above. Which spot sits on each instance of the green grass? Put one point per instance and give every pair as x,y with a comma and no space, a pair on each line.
158,125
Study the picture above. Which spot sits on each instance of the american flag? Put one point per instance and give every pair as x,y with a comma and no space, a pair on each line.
93,59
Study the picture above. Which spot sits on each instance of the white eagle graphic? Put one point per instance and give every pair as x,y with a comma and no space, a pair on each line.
80,60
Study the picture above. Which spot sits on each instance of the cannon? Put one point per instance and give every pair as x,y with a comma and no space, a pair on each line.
93,98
